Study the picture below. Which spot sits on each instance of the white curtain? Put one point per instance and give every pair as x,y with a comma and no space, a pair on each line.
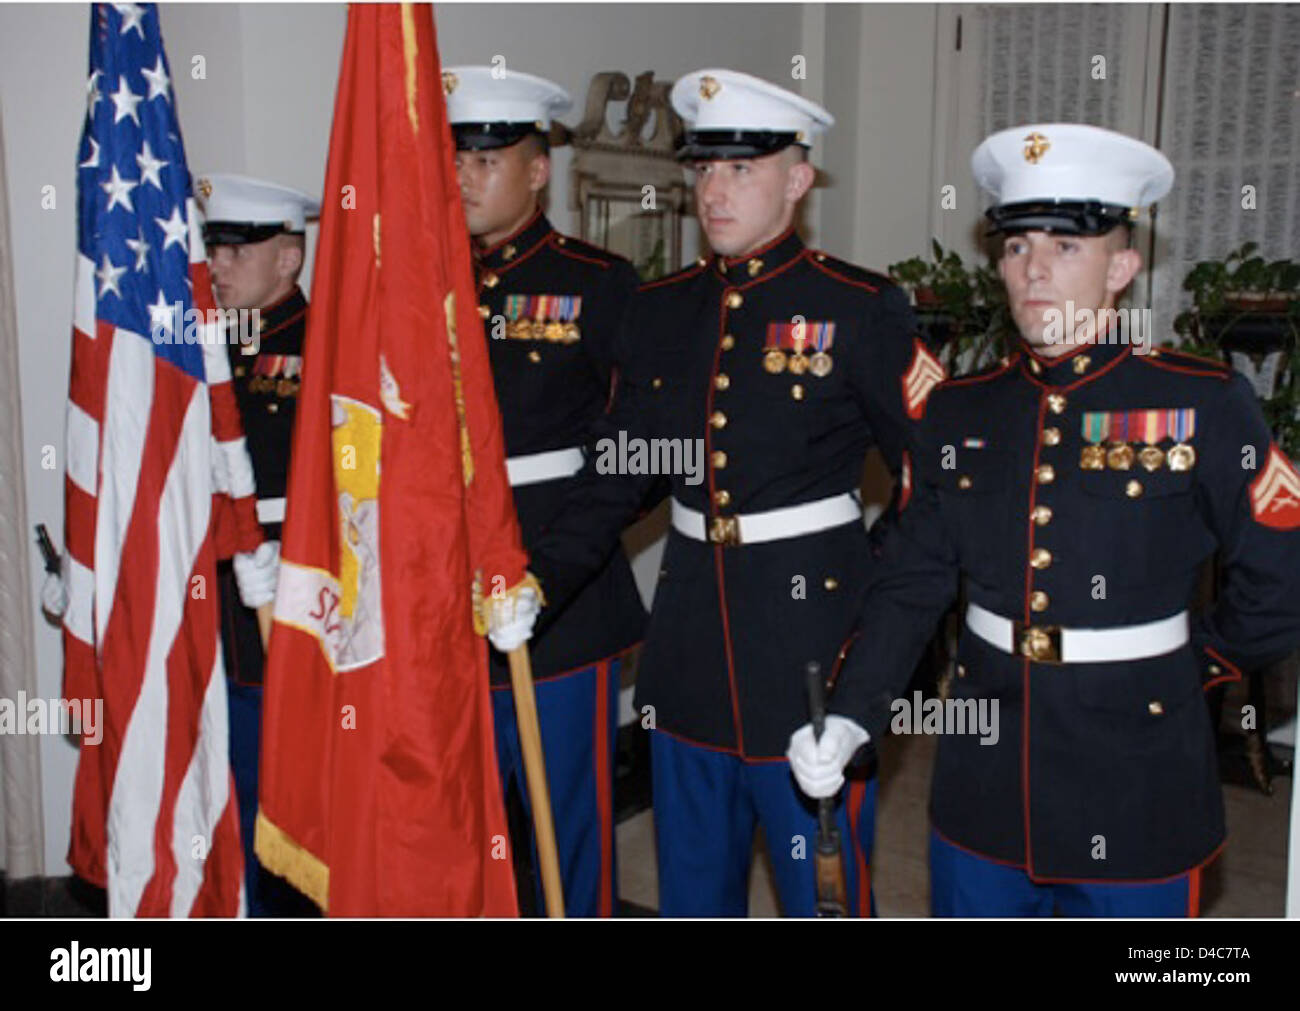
1231,119
22,845
1038,63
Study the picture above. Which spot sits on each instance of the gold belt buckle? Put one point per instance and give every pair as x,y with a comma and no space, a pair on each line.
1040,643
725,530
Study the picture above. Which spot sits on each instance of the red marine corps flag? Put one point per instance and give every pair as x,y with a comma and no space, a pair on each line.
379,792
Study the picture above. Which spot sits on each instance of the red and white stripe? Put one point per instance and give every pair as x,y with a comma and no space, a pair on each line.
157,475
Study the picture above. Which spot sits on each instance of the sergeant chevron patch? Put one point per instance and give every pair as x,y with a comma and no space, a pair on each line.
1275,494
922,375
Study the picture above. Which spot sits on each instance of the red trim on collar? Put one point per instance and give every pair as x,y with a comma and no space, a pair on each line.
774,272
279,302
284,323
1048,362
731,261
1125,354
489,250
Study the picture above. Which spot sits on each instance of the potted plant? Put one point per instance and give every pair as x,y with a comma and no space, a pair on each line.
1247,310
964,309
1241,282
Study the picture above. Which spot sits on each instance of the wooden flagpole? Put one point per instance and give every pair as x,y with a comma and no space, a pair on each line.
530,741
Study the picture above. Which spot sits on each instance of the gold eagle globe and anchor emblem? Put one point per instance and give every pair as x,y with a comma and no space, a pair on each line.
1036,145
709,87
449,82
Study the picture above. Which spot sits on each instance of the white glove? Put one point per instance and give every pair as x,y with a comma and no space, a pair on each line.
54,595
256,573
511,618
818,765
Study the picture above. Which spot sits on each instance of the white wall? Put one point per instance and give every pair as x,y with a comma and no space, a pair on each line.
265,106
42,89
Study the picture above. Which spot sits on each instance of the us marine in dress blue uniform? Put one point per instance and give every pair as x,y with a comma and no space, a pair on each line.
784,366
1076,489
254,235
551,307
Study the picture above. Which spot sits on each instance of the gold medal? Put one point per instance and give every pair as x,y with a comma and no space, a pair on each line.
774,361
1120,456
820,364
554,332
519,330
1092,458
797,364
284,388
1151,457
571,333
1181,457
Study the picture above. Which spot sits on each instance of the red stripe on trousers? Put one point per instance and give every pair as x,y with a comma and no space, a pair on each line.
857,792
604,789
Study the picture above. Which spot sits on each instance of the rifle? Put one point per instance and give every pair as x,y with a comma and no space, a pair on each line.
47,548
828,858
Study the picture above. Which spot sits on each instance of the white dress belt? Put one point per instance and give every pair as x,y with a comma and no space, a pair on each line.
534,468
771,525
270,510
1050,644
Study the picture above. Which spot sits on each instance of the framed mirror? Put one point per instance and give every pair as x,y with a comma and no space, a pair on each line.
628,189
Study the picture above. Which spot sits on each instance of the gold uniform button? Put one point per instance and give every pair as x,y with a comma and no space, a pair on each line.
1155,707
1041,558
1042,515
796,391
701,262
1215,669
1035,368
1052,436
239,371
484,312
963,482
719,459
831,583
1133,489
735,300
560,240
534,356
509,251
1038,601
1056,403
1046,474
272,408
728,342
722,497
961,670
1081,364
721,381
656,383
718,420
491,281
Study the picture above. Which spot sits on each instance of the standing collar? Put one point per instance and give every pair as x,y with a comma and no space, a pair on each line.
279,315
1078,365
518,244
761,262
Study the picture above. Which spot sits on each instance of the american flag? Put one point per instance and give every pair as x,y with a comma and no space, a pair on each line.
158,485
